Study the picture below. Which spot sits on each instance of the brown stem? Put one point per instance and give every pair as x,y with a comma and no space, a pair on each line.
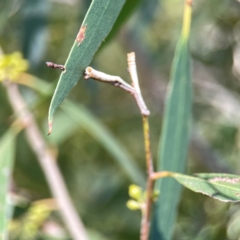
47,162
145,225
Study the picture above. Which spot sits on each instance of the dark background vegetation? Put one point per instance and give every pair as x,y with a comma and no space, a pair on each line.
44,30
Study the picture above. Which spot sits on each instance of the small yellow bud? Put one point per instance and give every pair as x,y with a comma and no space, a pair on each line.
155,195
133,205
135,192
11,66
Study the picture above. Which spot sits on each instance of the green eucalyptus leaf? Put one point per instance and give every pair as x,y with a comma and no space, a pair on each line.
174,141
224,187
7,154
97,24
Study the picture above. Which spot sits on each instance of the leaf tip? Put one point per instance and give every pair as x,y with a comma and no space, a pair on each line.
49,127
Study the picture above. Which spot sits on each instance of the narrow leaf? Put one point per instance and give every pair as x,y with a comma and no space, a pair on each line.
95,28
175,136
7,152
94,127
224,187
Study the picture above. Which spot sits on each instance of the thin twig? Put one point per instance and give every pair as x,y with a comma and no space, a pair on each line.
48,163
54,65
145,223
118,82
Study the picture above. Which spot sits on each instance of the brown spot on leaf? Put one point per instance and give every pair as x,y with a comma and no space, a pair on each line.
81,34
237,194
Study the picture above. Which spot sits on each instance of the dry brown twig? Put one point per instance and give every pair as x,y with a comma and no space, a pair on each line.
47,162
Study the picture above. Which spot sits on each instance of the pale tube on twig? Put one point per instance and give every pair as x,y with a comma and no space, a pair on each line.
103,77
132,68
118,82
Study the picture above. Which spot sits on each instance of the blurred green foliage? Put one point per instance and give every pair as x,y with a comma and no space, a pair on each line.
45,30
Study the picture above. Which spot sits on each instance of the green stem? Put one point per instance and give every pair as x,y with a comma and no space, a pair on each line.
161,174
150,181
187,16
